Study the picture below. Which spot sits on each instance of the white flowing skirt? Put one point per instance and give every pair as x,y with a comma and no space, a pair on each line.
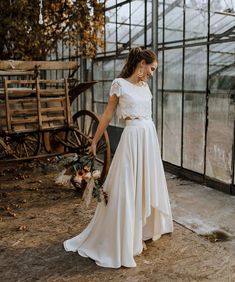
138,203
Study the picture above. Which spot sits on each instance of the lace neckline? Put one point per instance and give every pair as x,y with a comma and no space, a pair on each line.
136,85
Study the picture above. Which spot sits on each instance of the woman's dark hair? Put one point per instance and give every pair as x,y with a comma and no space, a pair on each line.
135,56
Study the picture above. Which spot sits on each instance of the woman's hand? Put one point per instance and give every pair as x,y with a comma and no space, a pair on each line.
92,149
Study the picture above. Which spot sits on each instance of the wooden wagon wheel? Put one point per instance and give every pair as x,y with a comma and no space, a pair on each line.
53,141
86,123
23,145
5,151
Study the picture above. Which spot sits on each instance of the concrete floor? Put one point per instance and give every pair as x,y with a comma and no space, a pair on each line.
202,209
47,214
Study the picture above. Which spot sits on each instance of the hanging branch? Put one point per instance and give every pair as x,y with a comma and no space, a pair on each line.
79,23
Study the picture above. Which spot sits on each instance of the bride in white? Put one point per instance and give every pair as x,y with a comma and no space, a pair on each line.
138,206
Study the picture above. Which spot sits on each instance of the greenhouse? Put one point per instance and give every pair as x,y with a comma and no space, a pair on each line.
117,140
194,87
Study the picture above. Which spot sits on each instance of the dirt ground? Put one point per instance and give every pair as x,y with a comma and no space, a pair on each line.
36,216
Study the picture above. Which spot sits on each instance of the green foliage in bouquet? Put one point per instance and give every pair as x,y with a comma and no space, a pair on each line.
81,173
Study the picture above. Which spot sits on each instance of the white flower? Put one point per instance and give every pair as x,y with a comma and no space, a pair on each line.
87,176
77,179
96,174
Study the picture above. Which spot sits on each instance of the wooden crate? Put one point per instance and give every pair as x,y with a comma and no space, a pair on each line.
34,105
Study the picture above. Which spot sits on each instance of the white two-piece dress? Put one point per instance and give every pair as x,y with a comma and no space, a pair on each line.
138,203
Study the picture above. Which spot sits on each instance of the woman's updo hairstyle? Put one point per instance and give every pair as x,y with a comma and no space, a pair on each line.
135,56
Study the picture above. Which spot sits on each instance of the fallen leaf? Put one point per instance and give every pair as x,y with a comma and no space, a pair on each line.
15,205
22,228
11,214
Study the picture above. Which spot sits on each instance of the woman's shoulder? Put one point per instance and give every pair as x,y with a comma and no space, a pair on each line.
122,82
116,87
117,80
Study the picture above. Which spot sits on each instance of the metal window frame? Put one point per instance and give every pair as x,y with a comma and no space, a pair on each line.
208,40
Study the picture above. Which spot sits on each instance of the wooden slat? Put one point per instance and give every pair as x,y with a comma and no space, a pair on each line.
52,110
7,107
36,109
28,101
49,99
68,109
38,104
21,91
24,121
46,119
32,81
20,81
15,72
23,111
43,65
51,81
52,92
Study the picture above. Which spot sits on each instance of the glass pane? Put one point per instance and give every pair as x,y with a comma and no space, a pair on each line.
99,108
97,70
123,34
98,92
118,67
196,18
159,69
110,3
137,36
173,21
221,112
172,104
149,12
221,23
159,98
108,70
222,17
138,41
110,37
106,88
159,117
160,21
149,36
123,14
173,69
220,136
195,74
194,131
120,1
221,59
123,19
137,12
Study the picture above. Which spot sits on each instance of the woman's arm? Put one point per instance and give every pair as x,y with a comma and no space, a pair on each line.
104,122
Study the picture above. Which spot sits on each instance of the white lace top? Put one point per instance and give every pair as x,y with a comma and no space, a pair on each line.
134,100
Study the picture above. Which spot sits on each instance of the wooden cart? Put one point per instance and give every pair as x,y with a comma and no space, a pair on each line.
36,118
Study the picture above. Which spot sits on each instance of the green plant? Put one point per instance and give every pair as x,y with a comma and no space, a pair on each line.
78,23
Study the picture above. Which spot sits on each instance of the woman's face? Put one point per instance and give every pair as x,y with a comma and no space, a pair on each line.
148,69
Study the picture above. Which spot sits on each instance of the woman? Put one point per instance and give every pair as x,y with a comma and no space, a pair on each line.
138,206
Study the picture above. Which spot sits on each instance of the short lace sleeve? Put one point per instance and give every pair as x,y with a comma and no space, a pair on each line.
116,88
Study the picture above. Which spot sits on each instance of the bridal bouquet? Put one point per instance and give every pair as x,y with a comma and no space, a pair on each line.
81,173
